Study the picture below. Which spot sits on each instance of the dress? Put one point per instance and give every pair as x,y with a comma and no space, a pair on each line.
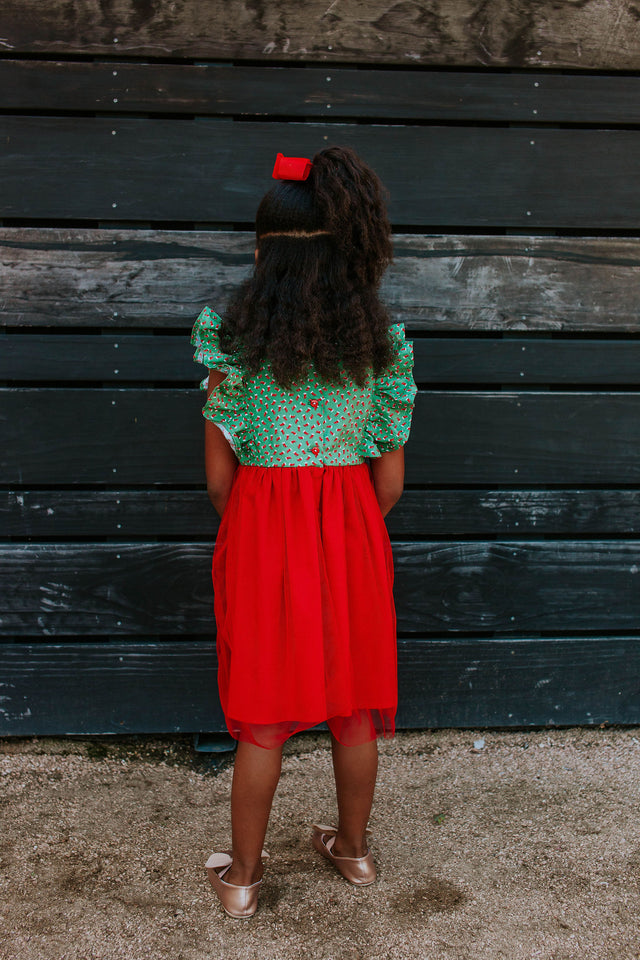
302,566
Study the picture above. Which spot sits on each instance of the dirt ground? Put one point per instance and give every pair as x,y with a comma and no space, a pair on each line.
525,847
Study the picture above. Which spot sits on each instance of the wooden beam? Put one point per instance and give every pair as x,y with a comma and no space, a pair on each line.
215,170
164,589
118,358
187,514
152,279
53,689
221,90
154,436
587,35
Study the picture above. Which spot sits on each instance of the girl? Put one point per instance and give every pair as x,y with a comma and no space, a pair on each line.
309,403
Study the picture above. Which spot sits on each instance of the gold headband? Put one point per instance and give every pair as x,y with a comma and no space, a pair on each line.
296,233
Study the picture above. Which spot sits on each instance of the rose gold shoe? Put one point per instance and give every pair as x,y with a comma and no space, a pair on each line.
237,901
357,870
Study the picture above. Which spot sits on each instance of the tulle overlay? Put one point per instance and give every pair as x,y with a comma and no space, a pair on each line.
306,622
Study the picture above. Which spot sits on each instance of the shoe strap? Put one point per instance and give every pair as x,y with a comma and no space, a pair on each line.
218,860
224,860
324,828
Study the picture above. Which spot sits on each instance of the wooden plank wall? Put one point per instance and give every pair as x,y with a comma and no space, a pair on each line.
137,142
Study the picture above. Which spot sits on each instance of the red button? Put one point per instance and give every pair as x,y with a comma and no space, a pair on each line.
314,403
315,451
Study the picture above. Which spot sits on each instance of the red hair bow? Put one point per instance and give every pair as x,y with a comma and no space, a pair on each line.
291,168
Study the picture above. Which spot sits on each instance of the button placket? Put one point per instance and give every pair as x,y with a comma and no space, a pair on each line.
314,402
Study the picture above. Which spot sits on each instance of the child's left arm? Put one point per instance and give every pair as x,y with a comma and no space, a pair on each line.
220,460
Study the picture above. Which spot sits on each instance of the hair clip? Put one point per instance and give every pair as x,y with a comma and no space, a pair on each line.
291,168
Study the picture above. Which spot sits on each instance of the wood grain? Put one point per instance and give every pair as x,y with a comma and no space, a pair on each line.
179,514
215,171
511,588
53,689
221,90
155,279
585,35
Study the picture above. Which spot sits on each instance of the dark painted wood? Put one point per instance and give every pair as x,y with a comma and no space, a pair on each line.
109,437
523,682
238,90
56,514
109,359
518,513
185,514
92,688
132,169
583,35
526,361
116,358
123,589
518,587
161,279
160,589
154,436
150,687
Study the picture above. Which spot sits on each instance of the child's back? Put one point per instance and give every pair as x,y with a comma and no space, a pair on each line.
308,408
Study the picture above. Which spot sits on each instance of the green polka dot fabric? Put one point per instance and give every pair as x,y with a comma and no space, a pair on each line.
313,422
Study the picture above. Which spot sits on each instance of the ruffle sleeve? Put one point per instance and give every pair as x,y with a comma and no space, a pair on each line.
389,421
226,405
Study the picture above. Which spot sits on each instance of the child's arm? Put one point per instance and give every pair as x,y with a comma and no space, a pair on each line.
220,460
388,478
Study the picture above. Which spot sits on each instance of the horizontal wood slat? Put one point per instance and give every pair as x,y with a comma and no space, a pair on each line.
55,514
153,436
524,361
161,279
109,688
225,90
128,589
217,170
117,358
103,436
445,32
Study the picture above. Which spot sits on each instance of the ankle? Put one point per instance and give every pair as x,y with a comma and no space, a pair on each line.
349,846
244,873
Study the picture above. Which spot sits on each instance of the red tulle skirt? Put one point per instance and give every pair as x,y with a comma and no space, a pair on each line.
305,616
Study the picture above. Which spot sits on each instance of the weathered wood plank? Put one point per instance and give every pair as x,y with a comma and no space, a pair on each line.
161,513
161,279
109,688
513,588
119,358
446,32
225,90
133,169
154,436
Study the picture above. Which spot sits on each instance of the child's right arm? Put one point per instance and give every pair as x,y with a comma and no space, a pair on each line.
220,460
388,478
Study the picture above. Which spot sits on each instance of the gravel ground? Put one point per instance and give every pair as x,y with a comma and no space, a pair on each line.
525,847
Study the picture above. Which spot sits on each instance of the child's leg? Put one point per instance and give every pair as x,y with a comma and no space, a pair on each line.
355,770
255,777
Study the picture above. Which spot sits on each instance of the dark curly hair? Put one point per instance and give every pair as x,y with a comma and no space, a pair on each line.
313,298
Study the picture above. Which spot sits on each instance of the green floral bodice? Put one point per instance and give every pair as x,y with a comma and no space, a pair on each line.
312,423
